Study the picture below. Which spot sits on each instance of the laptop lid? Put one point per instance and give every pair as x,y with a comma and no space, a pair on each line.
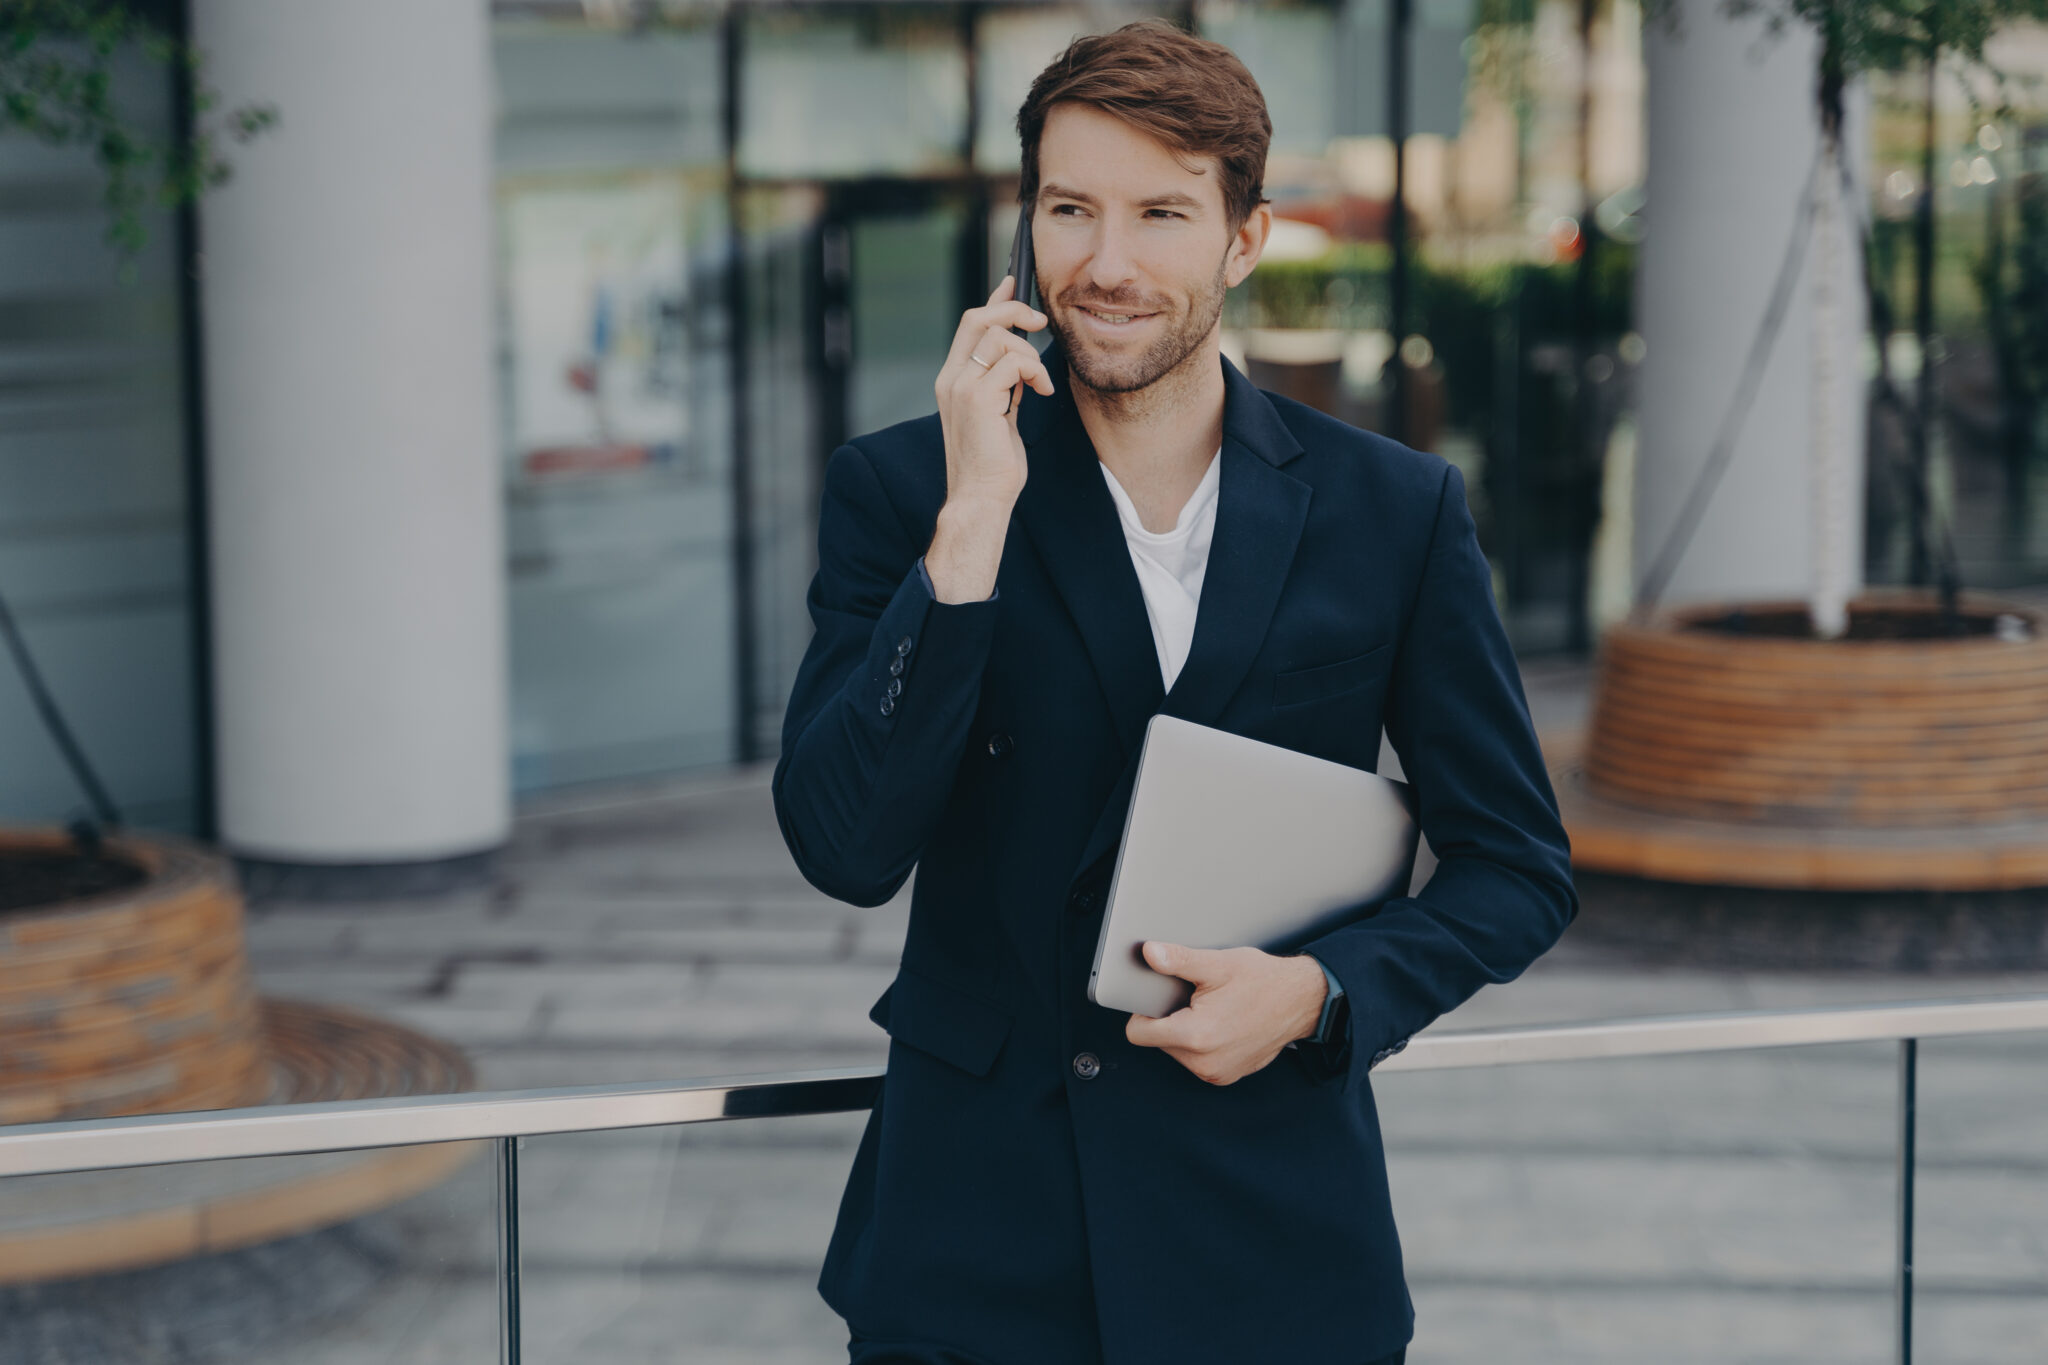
1233,842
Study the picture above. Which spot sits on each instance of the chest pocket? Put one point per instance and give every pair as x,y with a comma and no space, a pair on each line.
945,1021
1301,686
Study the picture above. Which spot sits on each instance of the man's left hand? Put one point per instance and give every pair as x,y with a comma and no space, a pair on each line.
1247,1005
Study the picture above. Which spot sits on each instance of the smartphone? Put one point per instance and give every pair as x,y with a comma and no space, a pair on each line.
1024,270
1023,266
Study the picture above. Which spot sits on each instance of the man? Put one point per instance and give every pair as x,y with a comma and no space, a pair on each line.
1006,592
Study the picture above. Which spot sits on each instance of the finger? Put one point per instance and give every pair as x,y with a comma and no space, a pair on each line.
1002,312
999,324
1169,1032
1006,373
1197,965
989,344
1033,371
973,322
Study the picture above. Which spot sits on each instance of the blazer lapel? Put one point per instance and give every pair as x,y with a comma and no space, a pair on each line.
1066,510
1260,512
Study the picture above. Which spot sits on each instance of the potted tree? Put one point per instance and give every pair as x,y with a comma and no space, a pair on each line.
1882,742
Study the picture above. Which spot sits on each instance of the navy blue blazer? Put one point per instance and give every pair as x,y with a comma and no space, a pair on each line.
1032,1188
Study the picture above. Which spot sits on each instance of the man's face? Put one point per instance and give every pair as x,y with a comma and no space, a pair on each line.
1135,252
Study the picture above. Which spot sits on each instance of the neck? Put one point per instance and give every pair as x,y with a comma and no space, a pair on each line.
1158,440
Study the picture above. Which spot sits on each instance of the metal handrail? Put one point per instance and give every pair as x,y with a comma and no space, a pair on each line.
505,1116
344,1125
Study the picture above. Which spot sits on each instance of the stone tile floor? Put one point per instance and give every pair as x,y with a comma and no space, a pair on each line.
1724,1208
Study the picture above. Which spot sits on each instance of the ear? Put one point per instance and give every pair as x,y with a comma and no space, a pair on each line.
1248,245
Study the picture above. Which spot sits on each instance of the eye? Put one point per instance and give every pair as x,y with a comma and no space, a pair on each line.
1167,213
1066,210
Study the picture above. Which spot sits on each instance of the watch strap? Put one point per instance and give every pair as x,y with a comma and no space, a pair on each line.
1332,998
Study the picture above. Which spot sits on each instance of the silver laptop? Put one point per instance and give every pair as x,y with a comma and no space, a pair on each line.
1231,842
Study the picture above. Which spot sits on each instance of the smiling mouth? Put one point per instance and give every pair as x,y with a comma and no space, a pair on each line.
1115,319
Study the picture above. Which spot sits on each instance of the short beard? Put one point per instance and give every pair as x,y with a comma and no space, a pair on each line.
1165,355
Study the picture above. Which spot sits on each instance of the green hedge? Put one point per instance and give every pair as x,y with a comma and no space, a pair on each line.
1467,313
1347,288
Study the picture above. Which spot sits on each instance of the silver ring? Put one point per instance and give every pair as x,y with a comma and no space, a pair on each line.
985,364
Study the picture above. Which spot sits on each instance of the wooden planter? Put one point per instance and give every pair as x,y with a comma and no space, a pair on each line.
1874,733
140,1001
135,1002
1305,365
1902,761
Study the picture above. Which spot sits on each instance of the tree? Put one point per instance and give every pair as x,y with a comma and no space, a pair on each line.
57,60
1856,38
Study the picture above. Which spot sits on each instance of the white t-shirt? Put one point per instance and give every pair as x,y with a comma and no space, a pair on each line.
1172,564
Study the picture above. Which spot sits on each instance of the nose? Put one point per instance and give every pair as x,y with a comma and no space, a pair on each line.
1111,265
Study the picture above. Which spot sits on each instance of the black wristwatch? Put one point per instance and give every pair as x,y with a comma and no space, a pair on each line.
1331,1024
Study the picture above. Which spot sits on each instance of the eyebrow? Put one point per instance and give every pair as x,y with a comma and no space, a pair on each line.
1172,199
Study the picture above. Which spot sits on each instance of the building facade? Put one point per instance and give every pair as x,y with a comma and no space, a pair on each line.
467,443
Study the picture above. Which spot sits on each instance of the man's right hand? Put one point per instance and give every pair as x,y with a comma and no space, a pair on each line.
979,391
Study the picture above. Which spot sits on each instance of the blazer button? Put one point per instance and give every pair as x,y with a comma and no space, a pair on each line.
888,706
903,647
999,746
1087,1066
895,668
895,688
1082,901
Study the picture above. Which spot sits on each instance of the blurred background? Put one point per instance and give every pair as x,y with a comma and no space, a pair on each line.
404,538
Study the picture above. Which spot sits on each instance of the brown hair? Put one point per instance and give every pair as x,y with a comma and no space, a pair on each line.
1192,94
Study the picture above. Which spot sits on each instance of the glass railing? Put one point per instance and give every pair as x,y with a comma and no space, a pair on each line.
1815,1184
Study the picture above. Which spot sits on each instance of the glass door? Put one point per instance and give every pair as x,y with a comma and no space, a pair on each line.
911,261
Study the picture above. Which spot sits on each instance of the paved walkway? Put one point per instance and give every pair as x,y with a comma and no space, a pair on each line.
1726,1208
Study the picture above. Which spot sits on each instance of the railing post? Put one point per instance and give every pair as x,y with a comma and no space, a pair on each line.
1909,1056
508,1251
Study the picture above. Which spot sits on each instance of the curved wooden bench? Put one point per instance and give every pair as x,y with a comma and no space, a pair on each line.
1625,838
55,1226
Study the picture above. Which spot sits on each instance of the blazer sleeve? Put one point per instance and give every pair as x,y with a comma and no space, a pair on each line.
1502,891
879,715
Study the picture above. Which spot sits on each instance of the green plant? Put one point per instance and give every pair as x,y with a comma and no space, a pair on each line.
1344,287
57,85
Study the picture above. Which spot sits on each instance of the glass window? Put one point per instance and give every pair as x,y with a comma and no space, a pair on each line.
576,97
1522,130
851,91
1291,52
1011,47
616,407
95,536
787,448
1986,452
903,312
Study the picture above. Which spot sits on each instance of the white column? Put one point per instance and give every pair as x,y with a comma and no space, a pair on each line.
354,506
1733,132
